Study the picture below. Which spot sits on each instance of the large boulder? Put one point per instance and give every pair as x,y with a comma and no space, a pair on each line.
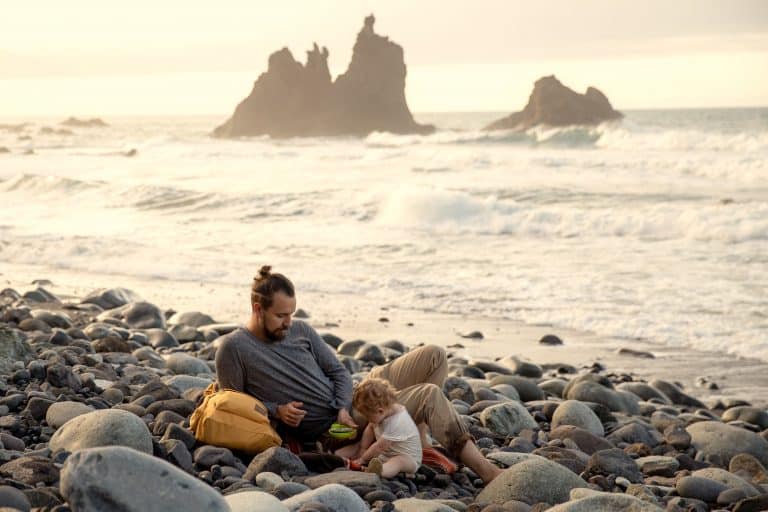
295,100
553,104
118,478
105,427
713,439
532,481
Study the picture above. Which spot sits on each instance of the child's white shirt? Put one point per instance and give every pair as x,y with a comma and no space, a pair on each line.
402,431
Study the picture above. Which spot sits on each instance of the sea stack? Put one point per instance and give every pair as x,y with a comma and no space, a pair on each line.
553,104
295,100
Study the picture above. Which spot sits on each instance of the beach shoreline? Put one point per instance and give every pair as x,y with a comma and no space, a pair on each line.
358,318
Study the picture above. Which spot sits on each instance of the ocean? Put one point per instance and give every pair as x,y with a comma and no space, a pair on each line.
654,228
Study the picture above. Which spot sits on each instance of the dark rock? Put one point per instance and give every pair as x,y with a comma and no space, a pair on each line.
295,100
332,340
551,340
371,354
111,298
522,368
553,104
161,338
31,470
586,441
13,498
112,344
456,388
753,504
276,460
699,488
60,376
180,406
526,388
635,433
207,456
614,462
676,394
623,351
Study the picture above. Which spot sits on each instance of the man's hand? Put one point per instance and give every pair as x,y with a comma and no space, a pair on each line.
291,413
346,419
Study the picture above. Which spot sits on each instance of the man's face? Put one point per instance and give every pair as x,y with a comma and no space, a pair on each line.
277,319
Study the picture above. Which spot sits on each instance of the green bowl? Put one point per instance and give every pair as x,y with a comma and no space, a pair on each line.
341,431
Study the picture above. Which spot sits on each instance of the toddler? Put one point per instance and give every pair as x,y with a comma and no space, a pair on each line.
391,442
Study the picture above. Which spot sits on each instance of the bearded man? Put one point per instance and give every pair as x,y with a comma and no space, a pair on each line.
287,365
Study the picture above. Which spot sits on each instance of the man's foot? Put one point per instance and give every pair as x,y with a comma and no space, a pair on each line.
375,466
435,459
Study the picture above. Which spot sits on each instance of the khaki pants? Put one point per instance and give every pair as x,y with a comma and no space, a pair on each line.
418,378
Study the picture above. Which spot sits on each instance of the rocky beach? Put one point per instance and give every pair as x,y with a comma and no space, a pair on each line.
98,389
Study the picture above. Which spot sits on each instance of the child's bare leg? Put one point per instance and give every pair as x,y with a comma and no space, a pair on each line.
398,464
424,435
351,451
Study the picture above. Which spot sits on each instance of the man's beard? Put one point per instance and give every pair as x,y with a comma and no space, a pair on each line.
275,335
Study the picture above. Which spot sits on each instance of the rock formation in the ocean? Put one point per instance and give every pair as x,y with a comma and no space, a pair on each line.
553,104
295,100
84,123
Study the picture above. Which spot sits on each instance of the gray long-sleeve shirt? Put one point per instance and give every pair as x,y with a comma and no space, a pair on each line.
301,367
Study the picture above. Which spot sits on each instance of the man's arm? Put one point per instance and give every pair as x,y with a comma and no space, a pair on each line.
332,367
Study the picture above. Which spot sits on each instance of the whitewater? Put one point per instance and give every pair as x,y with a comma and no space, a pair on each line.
654,228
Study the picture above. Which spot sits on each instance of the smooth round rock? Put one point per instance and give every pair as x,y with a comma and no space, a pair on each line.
607,502
418,505
729,479
334,496
573,412
268,480
106,427
184,364
13,498
526,388
61,412
753,415
507,419
254,501
713,438
532,481
119,478
192,318
704,489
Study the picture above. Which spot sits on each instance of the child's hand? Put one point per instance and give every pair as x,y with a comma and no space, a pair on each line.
359,461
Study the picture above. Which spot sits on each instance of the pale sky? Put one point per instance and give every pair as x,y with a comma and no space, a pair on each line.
91,57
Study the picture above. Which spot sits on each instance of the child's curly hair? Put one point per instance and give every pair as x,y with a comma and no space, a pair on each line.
373,394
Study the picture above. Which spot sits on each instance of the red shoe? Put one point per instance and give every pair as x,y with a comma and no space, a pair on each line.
436,460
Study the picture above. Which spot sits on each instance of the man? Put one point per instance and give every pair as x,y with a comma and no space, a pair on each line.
289,367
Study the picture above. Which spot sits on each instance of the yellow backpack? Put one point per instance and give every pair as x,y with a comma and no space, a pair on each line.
233,420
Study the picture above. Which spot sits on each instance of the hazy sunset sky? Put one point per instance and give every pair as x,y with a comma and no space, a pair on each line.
83,57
